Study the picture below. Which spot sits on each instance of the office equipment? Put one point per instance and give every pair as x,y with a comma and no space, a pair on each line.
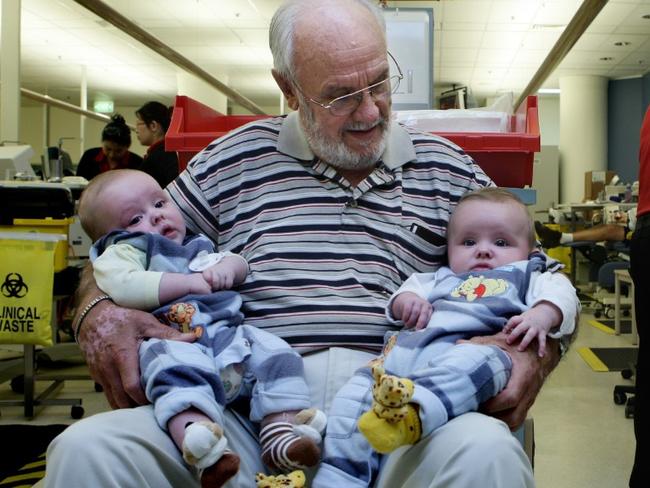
14,162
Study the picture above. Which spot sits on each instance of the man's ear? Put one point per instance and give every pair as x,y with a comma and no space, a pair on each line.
156,127
287,90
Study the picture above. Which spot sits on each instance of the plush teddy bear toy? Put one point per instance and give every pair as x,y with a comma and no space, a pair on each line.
295,479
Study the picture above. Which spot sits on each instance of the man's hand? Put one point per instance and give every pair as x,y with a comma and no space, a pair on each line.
528,374
109,339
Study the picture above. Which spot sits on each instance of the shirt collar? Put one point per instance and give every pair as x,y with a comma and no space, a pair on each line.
292,141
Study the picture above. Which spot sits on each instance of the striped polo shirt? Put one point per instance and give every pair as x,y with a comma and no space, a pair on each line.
324,256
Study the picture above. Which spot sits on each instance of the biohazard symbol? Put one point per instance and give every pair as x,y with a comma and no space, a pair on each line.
14,286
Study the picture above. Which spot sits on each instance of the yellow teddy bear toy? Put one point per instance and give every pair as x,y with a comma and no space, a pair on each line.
295,479
392,421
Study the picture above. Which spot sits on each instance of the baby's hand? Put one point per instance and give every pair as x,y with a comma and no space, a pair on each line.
196,283
219,277
532,324
412,309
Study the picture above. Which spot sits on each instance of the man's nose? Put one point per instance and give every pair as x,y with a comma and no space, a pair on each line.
367,109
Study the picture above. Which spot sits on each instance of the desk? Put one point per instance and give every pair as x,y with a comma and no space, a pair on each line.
623,276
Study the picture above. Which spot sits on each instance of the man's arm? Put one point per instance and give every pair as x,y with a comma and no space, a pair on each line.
109,337
528,371
528,374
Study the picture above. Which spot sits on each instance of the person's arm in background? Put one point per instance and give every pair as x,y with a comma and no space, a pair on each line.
109,337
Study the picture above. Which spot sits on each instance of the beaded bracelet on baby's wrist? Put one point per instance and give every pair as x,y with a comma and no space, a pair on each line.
85,312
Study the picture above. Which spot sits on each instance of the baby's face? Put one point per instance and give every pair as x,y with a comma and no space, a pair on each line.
487,235
137,203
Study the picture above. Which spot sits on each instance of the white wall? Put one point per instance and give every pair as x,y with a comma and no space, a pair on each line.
549,119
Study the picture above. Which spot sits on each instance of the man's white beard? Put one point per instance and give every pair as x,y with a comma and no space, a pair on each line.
335,152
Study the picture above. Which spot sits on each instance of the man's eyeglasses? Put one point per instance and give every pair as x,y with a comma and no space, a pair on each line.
346,104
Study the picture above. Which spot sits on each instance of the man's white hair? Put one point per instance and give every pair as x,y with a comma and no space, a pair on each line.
284,21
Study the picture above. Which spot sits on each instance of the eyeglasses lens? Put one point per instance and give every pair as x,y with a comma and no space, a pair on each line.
349,103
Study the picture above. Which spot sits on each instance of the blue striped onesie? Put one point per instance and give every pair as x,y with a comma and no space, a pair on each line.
228,360
450,379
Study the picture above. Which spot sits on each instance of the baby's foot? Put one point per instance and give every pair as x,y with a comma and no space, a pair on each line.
205,447
286,445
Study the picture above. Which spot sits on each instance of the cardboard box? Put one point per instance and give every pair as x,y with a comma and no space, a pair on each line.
595,182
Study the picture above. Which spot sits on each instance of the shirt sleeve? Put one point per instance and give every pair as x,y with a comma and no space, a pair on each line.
120,273
558,290
421,284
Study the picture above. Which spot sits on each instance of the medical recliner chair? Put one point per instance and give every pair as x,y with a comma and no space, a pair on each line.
603,261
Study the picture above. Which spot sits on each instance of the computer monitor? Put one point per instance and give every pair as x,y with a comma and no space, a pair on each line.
15,160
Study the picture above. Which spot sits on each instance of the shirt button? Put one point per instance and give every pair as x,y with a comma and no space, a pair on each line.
352,203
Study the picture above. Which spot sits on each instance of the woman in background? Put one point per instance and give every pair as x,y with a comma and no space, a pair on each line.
152,124
640,272
114,152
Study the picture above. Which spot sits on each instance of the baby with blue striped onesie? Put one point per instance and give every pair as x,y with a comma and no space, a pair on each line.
143,259
425,377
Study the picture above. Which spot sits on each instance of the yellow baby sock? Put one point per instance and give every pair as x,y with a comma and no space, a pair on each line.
393,421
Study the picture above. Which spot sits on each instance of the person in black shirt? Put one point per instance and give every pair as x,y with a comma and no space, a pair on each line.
114,152
152,124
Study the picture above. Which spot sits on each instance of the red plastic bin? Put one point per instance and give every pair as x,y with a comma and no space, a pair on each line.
507,157
193,126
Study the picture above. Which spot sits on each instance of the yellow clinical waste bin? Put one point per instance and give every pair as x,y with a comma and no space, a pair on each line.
26,281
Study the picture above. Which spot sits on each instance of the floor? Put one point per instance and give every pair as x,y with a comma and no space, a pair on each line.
583,439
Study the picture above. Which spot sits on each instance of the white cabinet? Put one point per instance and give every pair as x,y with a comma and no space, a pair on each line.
410,41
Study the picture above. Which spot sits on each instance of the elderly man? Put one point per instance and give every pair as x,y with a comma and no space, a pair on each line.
333,207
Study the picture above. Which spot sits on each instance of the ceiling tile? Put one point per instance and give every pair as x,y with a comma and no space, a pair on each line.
502,40
466,11
510,37
458,57
556,12
512,11
495,57
612,14
461,39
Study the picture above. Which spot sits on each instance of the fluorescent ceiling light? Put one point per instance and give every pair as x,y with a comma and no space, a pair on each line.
549,91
